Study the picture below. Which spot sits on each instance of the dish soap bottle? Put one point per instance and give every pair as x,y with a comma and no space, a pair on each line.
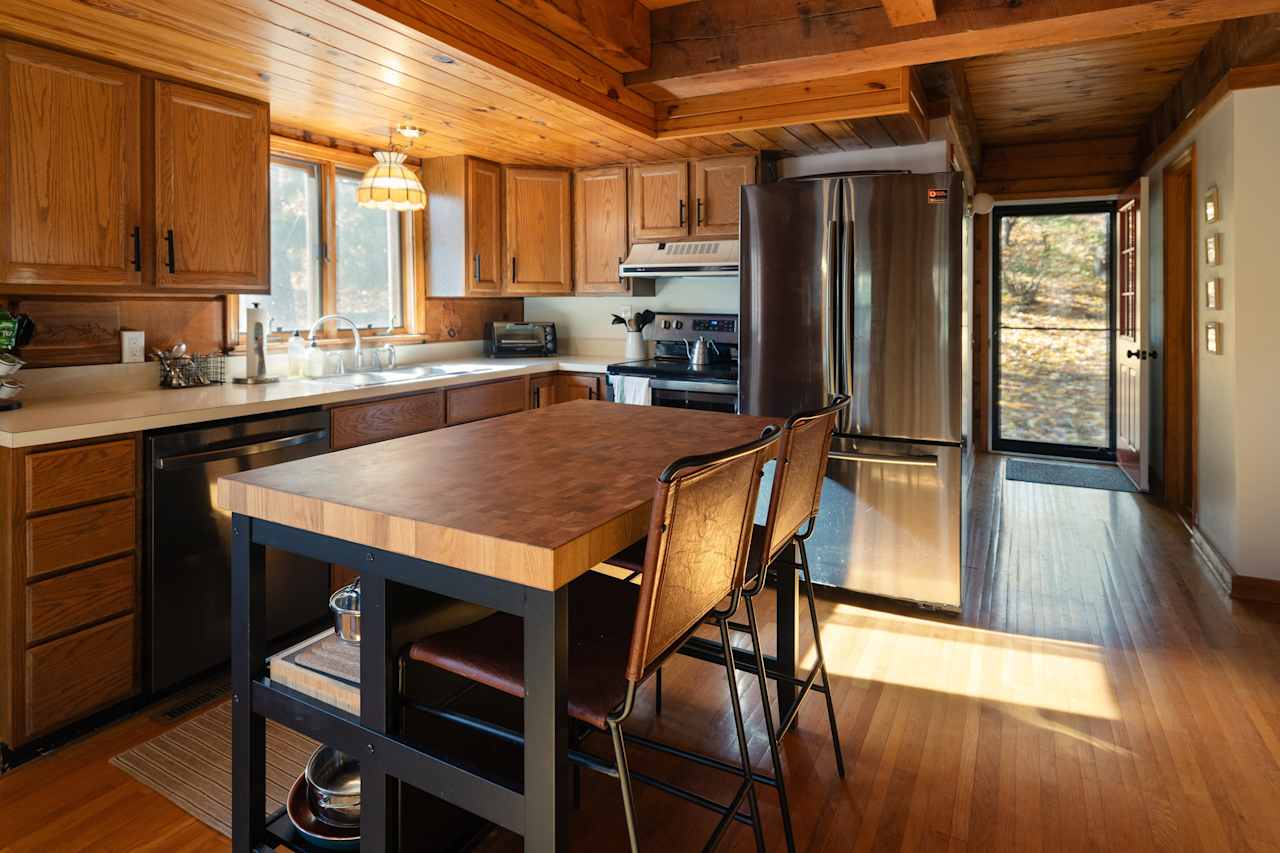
315,361
297,355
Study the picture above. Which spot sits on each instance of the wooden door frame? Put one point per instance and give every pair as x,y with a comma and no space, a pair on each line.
1184,483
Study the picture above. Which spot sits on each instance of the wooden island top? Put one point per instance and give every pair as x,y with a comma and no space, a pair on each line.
537,497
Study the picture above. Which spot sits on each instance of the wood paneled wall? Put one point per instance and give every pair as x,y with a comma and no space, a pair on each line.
87,331
1059,169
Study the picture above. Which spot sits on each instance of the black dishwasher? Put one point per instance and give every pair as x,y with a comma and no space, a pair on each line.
188,555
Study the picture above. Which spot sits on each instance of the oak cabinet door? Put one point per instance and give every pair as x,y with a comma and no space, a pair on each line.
542,391
577,386
538,235
600,229
71,174
211,191
659,201
717,182
484,228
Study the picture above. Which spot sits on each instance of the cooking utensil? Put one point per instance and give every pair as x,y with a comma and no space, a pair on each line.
179,350
333,787
10,388
345,604
312,828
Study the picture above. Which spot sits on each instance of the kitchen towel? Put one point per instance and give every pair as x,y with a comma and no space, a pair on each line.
633,390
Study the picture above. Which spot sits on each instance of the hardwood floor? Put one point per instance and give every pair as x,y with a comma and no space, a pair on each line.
1098,692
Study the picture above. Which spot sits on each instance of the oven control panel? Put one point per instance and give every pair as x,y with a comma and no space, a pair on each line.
721,328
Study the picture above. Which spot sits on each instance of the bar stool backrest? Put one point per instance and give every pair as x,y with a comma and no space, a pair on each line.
699,538
798,473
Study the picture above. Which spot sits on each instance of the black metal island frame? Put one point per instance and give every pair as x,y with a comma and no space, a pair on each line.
423,512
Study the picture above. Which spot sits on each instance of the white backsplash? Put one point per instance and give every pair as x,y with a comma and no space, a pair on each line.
584,323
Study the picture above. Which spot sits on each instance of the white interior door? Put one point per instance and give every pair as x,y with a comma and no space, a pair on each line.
1133,352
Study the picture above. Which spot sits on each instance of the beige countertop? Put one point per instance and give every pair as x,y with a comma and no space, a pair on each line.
80,416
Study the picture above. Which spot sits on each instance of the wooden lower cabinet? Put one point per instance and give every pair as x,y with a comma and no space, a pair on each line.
476,402
69,583
365,423
75,675
561,387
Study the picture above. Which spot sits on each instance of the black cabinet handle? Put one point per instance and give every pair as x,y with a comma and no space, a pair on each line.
477,267
137,248
682,211
621,280
699,211
537,397
513,269
168,238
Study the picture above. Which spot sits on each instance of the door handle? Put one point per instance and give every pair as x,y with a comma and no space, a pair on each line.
168,238
137,248
169,463
476,267
682,212
885,459
513,269
699,211
621,280
1141,354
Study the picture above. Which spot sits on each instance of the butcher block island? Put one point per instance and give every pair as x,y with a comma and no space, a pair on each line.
502,513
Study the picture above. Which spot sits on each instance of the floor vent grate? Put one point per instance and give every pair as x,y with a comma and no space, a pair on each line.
191,703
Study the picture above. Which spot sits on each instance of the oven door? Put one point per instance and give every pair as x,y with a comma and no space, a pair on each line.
707,396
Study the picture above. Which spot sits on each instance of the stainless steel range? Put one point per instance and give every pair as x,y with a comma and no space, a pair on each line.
695,364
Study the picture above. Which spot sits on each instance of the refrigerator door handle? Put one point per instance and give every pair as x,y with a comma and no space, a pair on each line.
847,231
830,316
885,459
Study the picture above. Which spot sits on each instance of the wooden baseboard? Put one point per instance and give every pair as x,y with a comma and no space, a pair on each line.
1255,589
1214,562
1244,587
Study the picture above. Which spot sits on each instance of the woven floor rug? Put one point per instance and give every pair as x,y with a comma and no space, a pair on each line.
191,765
1068,474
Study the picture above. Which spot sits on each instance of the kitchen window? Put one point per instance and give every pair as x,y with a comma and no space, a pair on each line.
328,254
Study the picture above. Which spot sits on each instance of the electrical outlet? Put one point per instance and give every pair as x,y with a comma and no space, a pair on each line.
133,346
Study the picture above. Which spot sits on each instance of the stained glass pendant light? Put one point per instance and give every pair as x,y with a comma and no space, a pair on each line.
389,184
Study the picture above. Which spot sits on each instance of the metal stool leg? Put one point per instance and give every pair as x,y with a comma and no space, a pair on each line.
822,659
657,697
624,782
747,775
762,678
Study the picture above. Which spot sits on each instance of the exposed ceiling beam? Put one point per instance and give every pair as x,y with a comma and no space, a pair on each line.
510,43
615,31
946,81
882,94
1249,41
903,13
715,46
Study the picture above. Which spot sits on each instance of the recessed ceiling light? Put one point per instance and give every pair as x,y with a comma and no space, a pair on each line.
409,131
443,59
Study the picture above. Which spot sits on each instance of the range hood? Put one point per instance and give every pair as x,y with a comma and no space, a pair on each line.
690,258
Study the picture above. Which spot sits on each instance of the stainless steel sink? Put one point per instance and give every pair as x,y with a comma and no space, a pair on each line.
401,374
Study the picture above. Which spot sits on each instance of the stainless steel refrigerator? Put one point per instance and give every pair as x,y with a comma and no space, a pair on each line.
858,285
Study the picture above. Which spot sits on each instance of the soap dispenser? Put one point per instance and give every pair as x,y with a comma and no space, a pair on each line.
297,355
315,361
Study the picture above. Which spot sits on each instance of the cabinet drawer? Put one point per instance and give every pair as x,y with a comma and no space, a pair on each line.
366,423
74,600
74,475
475,402
78,536
80,673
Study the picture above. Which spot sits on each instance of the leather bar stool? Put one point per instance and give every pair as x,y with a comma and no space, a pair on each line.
620,633
794,501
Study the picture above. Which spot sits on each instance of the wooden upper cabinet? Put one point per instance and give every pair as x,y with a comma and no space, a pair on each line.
600,229
537,233
484,226
717,182
211,191
464,226
659,201
71,174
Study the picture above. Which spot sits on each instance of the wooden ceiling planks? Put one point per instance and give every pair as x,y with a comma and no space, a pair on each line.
335,68
1091,89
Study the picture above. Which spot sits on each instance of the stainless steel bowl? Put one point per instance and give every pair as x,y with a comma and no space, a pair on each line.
333,787
345,604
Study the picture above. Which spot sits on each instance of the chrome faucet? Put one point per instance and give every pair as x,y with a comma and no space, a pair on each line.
355,333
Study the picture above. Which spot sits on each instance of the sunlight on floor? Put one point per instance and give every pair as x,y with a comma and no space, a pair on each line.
1049,676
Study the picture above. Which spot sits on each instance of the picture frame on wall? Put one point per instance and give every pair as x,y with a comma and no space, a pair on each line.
1212,210
1213,294
1213,250
1213,337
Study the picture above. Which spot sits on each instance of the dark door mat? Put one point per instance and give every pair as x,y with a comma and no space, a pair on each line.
1068,474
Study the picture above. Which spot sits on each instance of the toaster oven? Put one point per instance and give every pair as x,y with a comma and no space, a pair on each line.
509,340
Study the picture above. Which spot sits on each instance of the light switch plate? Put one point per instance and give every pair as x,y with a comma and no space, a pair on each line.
133,347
